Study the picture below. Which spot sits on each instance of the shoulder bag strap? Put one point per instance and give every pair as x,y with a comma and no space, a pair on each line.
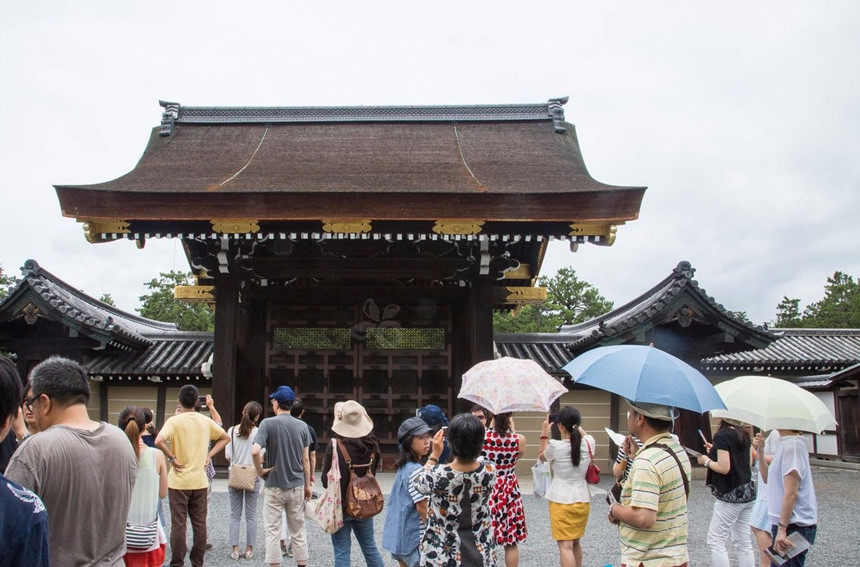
680,468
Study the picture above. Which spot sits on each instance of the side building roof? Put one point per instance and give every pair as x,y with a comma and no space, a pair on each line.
676,299
795,350
122,345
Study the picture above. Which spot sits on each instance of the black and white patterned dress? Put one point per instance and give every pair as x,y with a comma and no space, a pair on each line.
459,529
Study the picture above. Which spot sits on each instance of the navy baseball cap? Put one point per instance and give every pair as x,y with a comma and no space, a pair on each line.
283,395
433,415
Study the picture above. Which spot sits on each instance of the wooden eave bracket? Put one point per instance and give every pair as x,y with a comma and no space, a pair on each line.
194,293
516,296
94,229
605,231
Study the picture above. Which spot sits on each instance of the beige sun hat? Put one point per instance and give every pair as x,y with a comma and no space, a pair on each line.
351,420
654,411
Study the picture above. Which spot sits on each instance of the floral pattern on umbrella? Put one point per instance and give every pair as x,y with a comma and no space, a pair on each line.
510,384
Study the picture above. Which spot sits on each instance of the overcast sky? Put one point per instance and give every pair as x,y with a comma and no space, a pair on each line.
741,118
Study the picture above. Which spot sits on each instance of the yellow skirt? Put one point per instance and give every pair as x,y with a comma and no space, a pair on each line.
568,520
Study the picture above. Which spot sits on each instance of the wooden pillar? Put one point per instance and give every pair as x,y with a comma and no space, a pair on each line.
478,335
224,364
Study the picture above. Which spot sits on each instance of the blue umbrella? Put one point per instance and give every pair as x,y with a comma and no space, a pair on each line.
645,374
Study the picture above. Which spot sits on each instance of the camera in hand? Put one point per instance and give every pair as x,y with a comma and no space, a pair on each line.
553,418
201,403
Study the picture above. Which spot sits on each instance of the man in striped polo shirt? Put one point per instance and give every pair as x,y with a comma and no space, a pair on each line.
652,515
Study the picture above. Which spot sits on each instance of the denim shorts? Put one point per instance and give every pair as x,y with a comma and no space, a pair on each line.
411,559
759,518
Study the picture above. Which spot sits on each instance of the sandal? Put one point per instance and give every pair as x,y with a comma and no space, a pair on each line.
234,555
249,554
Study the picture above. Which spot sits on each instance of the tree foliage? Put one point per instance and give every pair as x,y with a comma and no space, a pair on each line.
570,300
107,299
838,309
160,305
7,282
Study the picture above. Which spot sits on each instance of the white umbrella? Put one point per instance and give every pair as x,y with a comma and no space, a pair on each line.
771,403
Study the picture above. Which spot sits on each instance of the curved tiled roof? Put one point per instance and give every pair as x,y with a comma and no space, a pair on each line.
654,307
651,307
78,310
550,350
796,349
490,163
180,354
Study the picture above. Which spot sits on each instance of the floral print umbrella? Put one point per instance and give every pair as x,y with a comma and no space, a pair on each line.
510,384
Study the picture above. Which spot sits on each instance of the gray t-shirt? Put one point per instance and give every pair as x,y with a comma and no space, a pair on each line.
284,439
85,479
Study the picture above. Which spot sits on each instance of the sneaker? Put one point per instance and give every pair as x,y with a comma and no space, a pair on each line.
234,555
249,554
290,550
283,549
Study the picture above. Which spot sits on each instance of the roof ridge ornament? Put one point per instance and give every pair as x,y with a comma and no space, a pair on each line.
168,117
557,112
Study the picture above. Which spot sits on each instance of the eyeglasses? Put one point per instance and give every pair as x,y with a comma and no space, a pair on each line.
28,403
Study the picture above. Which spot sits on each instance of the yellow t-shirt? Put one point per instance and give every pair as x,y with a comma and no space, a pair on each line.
189,434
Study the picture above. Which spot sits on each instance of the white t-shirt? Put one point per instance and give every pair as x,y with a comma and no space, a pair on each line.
239,452
769,450
568,482
792,455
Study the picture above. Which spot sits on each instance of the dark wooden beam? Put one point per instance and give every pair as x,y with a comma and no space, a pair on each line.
224,367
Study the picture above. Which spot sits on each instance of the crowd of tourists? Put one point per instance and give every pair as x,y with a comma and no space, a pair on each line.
81,492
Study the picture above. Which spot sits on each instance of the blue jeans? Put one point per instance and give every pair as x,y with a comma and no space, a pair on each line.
341,542
806,531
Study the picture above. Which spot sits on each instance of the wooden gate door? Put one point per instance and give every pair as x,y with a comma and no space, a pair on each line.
848,413
391,358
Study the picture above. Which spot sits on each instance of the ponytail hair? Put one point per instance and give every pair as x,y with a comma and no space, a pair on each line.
132,421
502,422
570,418
250,414
150,426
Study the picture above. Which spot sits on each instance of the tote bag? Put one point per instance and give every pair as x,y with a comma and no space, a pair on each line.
329,509
542,478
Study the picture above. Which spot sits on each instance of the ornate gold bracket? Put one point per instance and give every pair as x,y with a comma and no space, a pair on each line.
93,229
605,231
458,226
346,226
235,226
522,272
194,293
519,295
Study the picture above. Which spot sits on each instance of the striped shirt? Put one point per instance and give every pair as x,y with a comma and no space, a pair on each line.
417,497
655,483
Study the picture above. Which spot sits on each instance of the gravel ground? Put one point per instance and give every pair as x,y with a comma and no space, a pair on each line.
838,494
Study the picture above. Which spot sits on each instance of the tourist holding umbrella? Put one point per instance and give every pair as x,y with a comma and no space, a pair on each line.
730,478
503,447
568,494
771,403
759,518
791,504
